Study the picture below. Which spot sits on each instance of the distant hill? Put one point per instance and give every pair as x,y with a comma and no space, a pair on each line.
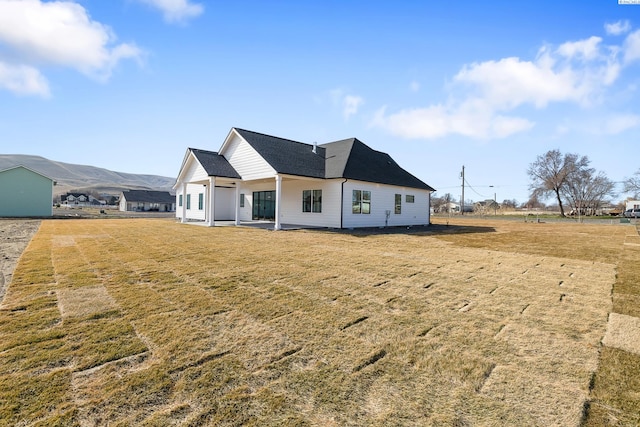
71,177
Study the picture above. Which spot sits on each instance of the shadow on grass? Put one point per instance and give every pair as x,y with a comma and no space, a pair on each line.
418,230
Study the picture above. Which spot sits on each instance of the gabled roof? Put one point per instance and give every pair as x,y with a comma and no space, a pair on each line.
215,164
26,168
352,159
286,156
148,196
348,158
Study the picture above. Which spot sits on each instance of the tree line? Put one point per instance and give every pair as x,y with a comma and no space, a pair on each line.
573,183
568,179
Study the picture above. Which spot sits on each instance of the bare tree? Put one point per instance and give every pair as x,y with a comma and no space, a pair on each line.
587,190
632,185
510,204
441,204
550,173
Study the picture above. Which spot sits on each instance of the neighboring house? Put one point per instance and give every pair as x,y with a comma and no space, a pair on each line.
74,199
342,184
632,204
80,200
147,200
485,206
25,193
452,207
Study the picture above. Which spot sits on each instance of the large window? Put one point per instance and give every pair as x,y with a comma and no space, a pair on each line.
200,201
410,198
361,202
180,200
312,201
188,201
398,209
242,200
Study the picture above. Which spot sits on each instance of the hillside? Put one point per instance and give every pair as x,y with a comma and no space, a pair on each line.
72,177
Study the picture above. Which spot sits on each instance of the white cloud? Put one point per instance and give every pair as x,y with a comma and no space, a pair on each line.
61,33
484,94
620,123
510,82
438,121
631,47
23,80
617,28
587,49
176,10
349,104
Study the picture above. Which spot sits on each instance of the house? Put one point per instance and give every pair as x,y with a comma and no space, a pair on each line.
147,200
80,200
485,206
632,204
342,184
25,193
74,199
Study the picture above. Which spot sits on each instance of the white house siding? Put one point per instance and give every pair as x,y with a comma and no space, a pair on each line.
194,171
192,212
224,204
246,161
291,208
247,188
383,200
633,204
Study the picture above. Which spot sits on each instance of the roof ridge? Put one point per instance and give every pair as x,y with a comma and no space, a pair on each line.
202,150
273,136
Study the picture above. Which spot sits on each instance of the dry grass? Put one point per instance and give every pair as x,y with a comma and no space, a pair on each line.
150,322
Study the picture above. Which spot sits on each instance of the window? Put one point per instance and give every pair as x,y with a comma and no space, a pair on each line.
180,200
361,202
242,200
317,201
398,210
306,200
312,201
188,201
409,198
200,201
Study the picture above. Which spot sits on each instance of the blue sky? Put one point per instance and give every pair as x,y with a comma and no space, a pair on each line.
128,85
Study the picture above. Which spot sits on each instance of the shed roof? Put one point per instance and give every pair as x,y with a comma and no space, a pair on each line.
26,168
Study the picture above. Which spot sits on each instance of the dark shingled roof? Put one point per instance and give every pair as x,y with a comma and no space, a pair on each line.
149,196
215,164
349,158
286,156
352,159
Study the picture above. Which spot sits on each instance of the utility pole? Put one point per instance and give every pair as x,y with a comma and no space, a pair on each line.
462,201
495,204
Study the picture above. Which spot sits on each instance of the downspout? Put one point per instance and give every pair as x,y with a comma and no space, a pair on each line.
342,201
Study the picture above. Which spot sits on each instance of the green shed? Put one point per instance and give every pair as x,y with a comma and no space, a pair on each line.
25,193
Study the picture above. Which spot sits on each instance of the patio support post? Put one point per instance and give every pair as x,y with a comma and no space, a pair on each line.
278,197
212,201
184,202
237,210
